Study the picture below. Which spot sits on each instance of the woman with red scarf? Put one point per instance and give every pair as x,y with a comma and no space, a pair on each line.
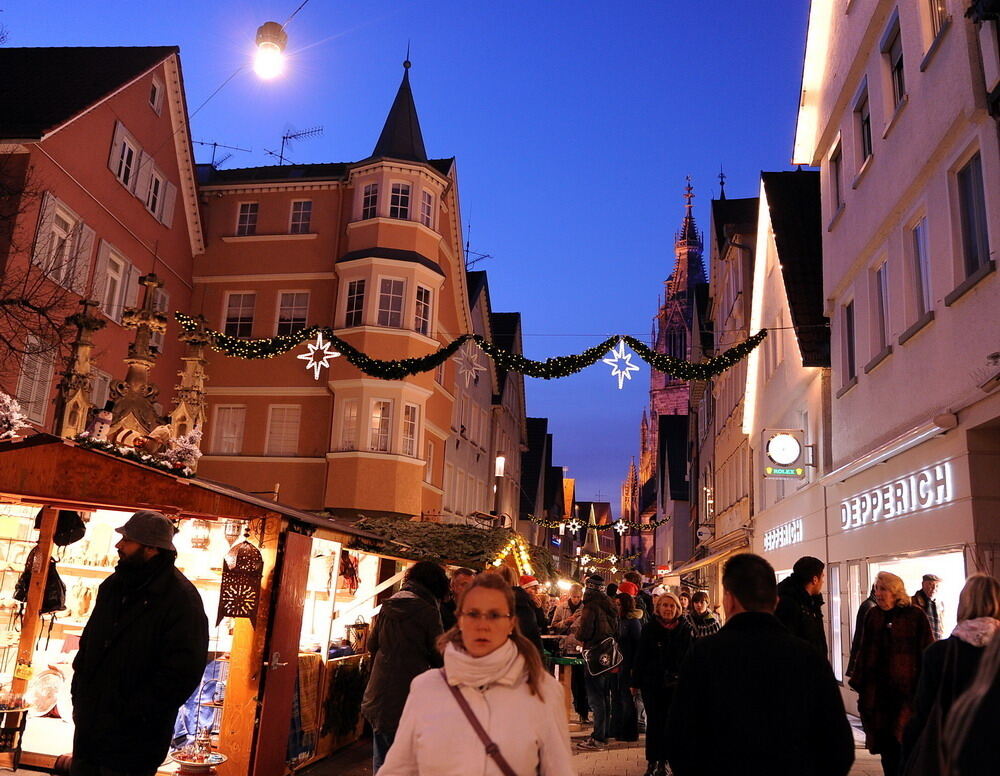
664,642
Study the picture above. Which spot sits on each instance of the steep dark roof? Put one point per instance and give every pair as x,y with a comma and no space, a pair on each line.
506,329
209,176
793,202
532,463
401,138
474,282
40,88
673,454
733,212
554,491
391,253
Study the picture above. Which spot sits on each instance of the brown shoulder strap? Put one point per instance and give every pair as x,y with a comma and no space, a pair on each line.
491,748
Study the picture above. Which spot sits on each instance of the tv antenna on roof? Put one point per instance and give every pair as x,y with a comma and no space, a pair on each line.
289,136
216,146
476,255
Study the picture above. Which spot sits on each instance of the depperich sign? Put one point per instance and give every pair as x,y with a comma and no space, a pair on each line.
783,535
906,495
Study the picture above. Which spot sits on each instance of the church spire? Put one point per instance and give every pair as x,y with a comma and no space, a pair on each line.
688,269
401,138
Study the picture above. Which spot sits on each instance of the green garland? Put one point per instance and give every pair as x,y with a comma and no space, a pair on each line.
130,454
630,524
550,368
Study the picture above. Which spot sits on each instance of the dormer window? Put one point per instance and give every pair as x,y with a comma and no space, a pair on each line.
399,202
369,201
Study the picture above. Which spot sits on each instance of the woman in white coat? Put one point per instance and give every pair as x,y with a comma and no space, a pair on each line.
499,674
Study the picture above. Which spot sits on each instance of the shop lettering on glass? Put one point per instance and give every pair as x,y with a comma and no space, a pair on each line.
783,535
911,493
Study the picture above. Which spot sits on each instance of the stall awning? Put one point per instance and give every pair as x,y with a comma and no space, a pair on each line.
708,560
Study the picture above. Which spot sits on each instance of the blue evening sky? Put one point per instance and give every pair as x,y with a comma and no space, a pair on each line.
573,123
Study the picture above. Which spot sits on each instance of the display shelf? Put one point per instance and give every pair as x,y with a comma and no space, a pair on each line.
75,569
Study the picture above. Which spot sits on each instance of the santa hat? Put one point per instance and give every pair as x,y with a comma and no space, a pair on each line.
528,581
628,587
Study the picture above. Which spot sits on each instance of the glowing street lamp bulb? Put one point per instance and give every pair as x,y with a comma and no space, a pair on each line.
270,59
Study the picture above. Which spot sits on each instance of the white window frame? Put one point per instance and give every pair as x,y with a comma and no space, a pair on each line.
356,290
380,439
238,322
156,96
892,50
277,446
427,208
60,264
220,444
281,306
429,462
154,196
295,226
369,201
113,304
349,420
400,200
410,437
422,324
34,381
127,171
245,226
863,124
979,214
383,296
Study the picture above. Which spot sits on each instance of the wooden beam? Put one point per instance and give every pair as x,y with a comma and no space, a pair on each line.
31,625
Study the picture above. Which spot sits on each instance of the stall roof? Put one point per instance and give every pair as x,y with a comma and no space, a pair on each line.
46,469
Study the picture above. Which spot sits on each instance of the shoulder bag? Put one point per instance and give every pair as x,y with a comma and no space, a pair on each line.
491,748
603,658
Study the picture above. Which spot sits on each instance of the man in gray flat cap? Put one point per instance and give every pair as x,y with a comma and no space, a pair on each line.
141,656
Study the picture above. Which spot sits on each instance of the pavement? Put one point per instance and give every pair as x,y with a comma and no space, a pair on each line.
619,759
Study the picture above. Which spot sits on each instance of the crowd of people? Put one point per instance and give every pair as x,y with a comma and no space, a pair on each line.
460,683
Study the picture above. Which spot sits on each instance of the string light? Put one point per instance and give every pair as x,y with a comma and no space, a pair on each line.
621,526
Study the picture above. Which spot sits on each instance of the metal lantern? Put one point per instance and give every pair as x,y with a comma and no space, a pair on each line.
232,530
201,534
242,574
270,59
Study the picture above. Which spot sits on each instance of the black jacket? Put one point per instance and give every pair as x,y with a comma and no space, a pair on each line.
661,652
598,620
402,645
768,695
141,656
530,617
801,613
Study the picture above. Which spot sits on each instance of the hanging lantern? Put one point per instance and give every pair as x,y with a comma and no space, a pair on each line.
270,59
201,534
232,530
242,573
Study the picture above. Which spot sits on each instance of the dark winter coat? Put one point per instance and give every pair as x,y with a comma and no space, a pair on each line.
801,613
402,644
767,696
449,613
598,620
142,654
661,652
645,601
528,614
629,634
886,671
859,627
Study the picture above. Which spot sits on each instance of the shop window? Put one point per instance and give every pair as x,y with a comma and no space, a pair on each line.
947,564
399,201
229,422
390,302
836,645
34,383
246,220
292,309
355,303
283,430
301,216
380,427
369,201
972,209
239,314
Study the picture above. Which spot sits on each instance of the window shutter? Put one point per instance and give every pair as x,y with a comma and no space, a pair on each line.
35,381
132,287
99,286
43,237
81,258
116,147
169,200
142,177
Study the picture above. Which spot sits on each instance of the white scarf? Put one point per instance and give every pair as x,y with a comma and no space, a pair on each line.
503,666
977,632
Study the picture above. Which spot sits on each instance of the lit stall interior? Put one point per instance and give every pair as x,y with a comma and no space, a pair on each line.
82,566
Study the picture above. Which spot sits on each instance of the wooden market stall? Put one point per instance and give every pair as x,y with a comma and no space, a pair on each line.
261,659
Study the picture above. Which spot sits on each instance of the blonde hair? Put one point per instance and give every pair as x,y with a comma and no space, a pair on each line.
532,660
506,573
980,598
664,597
894,585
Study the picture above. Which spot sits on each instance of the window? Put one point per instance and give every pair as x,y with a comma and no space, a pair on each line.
369,201
881,311
850,363
399,202
292,309
921,268
972,207
939,15
411,413
449,487
423,314
836,646
126,162
355,303
381,424
893,50
229,421
301,216
156,95
239,315
429,463
118,281
427,209
864,121
161,304
35,380
283,430
837,177
154,198
390,303
439,374
349,425
246,222
100,388
60,261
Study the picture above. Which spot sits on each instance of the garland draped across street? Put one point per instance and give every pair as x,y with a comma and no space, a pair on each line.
550,368
618,525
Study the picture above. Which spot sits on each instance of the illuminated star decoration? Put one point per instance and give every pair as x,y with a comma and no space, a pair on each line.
574,525
620,526
621,373
468,364
319,355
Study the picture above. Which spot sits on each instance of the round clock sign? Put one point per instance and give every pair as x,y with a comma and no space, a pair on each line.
783,449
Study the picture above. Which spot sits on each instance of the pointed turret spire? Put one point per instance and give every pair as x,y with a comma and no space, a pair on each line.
688,269
401,138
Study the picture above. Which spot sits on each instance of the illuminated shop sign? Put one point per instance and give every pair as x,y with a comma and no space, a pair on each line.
783,535
907,495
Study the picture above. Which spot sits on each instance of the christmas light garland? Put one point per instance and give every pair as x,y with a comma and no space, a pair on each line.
550,368
628,524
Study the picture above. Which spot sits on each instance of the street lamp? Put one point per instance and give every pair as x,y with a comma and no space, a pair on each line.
270,59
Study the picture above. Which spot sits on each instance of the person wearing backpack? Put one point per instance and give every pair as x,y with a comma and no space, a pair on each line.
598,624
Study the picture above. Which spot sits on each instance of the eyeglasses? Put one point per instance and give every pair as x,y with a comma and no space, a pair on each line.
490,617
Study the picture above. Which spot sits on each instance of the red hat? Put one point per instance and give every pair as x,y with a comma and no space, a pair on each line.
528,581
628,587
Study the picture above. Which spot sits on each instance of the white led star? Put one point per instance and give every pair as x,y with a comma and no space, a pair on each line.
614,569
585,560
619,354
574,525
620,526
468,364
613,558
319,355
